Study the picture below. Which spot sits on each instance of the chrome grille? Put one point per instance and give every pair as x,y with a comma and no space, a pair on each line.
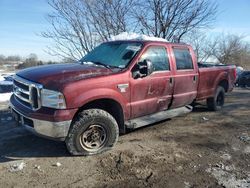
27,92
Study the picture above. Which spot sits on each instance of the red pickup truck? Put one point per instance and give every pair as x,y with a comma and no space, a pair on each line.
118,85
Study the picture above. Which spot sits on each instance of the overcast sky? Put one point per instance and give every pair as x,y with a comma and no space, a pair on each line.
21,22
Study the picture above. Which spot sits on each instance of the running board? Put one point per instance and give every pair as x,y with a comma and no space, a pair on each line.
159,116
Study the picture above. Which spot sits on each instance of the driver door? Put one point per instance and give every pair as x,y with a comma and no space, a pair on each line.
152,93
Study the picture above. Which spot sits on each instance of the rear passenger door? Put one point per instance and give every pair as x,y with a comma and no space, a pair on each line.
185,77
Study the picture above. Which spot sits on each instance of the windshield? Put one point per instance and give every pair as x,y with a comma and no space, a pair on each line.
114,54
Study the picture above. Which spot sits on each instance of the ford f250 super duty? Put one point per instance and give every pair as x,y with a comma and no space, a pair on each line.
119,85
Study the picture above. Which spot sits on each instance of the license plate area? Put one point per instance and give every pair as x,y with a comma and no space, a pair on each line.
22,120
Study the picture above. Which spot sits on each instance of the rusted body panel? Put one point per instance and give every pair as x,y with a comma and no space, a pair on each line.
162,90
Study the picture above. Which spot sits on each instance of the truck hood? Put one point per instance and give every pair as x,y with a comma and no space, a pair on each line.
57,75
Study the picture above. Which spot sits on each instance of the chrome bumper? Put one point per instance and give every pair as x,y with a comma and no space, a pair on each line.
52,130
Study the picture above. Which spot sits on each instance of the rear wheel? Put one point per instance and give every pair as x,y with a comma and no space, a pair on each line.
215,103
93,132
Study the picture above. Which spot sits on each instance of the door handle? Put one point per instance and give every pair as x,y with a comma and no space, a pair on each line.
194,79
171,81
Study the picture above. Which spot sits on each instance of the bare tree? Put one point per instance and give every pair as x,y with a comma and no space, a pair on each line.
232,49
172,19
110,17
30,61
71,30
79,25
13,58
196,39
224,48
203,45
2,59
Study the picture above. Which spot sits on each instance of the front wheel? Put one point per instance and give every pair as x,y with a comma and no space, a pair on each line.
93,132
215,103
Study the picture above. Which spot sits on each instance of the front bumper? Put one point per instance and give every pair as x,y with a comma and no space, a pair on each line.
48,129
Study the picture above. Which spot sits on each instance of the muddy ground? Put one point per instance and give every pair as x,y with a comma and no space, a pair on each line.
201,149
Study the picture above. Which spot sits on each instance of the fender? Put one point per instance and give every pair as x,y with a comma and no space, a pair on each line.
222,76
102,93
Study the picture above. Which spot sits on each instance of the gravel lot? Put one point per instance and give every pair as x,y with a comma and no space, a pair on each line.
201,149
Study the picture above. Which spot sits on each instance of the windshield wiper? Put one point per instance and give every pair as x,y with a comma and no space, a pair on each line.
111,67
102,64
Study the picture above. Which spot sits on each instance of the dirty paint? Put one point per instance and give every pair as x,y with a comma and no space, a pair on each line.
83,83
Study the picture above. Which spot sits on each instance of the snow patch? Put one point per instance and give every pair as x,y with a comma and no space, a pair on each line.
2,78
135,36
6,74
6,83
227,178
17,167
57,164
205,119
5,97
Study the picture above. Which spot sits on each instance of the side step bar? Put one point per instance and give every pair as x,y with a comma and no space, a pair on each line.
159,116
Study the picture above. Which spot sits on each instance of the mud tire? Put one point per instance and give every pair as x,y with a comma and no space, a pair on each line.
83,123
216,103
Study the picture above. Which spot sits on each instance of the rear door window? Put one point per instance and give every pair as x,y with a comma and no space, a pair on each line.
183,59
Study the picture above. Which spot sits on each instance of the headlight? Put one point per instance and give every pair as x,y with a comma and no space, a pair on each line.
52,99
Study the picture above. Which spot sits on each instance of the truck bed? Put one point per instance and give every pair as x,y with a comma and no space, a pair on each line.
210,76
208,65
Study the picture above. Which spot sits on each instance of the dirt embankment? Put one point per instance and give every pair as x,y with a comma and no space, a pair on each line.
201,149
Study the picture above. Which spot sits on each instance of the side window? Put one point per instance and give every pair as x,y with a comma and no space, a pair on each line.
183,59
158,56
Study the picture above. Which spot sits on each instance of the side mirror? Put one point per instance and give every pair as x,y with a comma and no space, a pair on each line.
143,69
150,67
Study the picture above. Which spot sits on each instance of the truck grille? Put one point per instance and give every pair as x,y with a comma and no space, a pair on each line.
27,92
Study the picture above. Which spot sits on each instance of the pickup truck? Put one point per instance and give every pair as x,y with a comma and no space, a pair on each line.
118,86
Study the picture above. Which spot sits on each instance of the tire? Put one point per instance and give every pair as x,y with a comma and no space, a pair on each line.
216,103
93,132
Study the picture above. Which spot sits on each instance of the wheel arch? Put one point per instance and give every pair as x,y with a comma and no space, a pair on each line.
113,107
224,83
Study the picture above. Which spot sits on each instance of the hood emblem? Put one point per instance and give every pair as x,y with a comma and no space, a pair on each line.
122,87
